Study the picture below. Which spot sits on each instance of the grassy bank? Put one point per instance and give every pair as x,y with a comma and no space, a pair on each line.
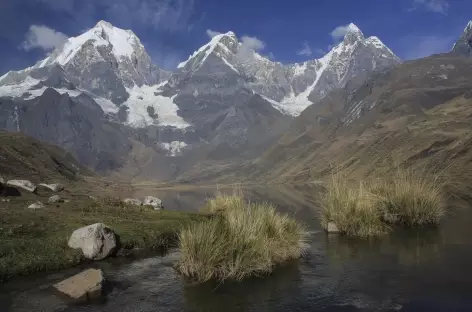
241,240
36,240
405,198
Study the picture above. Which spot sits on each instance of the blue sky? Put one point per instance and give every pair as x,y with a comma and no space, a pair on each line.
289,31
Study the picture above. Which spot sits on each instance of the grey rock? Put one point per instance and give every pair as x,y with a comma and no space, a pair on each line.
24,184
5,200
56,187
85,286
55,199
97,241
332,228
132,201
155,202
36,205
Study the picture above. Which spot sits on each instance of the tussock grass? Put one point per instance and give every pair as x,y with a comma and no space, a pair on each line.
410,199
406,197
352,209
241,240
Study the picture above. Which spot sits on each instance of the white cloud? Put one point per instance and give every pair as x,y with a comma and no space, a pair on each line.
306,50
211,33
422,46
437,6
248,45
43,37
252,43
339,32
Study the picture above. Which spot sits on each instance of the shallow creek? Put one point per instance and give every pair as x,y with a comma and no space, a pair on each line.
420,270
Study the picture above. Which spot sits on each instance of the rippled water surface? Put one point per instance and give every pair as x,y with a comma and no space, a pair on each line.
421,270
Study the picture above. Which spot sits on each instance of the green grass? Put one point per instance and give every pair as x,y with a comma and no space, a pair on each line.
241,240
36,240
406,198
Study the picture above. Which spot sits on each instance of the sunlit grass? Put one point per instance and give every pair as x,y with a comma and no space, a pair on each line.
241,240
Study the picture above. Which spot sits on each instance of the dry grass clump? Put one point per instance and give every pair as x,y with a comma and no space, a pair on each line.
352,209
406,198
241,240
410,199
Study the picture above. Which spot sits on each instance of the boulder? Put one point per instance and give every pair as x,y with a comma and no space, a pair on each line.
36,205
155,202
5,200
332,227
97,241
56,187
55,199
132,202
24,184
85,286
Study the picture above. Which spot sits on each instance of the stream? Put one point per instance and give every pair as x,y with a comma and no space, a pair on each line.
408,270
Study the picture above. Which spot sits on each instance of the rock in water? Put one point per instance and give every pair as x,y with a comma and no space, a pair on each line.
155,202
56,187
55,199
84,286
36,205
332,227
132,201
24,184
97,241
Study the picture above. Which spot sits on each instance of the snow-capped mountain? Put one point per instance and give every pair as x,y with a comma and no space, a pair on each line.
290,88
225,100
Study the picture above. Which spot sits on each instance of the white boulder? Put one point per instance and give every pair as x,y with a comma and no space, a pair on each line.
97,241
155,202
84,286
132,202
56,187
55,199
24,184
332,228
36,205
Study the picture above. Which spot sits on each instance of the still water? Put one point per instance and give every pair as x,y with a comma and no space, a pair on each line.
421,270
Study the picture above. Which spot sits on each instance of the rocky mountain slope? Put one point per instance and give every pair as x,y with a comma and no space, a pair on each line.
101,98
415,114
22,157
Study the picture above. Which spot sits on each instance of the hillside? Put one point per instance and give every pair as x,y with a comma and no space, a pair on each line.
22,157
417,114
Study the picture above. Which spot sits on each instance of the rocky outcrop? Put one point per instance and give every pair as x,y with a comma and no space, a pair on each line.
56,187
97,241
132,202
24,184
36,205
155,202
331,227
55,199
83,287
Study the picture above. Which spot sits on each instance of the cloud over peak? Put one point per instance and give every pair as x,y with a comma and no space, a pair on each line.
43,37
305,50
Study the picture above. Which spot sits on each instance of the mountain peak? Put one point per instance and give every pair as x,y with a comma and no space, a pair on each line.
463,46
224,40
353,33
